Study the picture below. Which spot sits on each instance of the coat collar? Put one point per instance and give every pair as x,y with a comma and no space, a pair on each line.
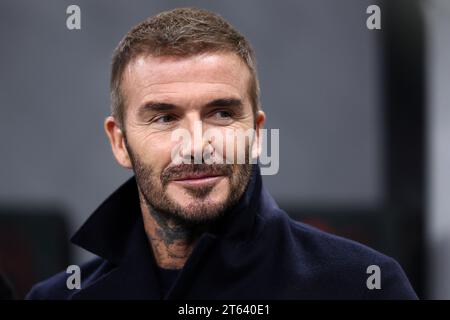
115,232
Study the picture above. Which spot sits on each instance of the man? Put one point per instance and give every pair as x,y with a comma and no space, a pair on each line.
190,224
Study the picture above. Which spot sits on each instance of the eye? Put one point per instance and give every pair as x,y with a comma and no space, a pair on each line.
222,114
164,119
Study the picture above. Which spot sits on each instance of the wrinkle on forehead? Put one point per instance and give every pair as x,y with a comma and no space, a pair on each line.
151,74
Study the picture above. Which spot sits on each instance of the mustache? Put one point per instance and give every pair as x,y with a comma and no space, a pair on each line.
183,170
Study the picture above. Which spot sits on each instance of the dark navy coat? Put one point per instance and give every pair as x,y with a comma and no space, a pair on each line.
255,252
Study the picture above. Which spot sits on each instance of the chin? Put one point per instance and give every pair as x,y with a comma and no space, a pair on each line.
213,200
197,210
202,212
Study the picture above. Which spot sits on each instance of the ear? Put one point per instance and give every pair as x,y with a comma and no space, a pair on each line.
260,120
117,140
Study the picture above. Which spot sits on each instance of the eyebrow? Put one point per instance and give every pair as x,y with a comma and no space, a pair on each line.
226,102
158,106
162,106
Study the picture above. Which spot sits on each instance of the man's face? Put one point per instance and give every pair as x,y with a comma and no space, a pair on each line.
164,94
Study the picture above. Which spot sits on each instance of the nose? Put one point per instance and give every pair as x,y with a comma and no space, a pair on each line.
199,146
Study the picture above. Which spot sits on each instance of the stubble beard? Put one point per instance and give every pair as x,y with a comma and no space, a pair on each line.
201,212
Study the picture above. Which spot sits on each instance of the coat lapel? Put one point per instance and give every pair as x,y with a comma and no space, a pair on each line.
134,277
115,232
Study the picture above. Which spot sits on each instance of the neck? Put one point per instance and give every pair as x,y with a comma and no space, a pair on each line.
172,241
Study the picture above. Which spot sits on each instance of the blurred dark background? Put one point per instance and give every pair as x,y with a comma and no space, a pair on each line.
363,118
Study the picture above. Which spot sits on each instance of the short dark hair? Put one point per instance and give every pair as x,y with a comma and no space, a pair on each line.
180,32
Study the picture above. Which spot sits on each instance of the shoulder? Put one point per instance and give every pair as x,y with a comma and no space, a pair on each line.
55,287
340,264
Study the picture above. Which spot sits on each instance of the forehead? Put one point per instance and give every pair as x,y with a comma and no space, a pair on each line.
185,76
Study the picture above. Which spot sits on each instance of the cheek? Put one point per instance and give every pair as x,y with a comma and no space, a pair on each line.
232,144
154,149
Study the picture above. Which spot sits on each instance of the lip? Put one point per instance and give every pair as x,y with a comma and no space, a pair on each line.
199,180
